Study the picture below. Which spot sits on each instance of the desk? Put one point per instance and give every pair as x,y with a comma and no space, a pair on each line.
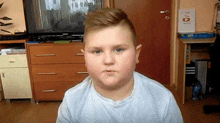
182,60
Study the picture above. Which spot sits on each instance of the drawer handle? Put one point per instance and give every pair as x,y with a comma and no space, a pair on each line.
47,73
46,91
82,72
79,54
11,61
45,55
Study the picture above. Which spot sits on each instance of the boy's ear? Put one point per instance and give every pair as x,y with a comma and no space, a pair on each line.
82,50
138,50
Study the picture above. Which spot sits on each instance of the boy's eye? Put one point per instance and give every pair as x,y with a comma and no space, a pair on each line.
118,50
97,51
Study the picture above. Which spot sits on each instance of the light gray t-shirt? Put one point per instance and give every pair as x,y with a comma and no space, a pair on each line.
150,102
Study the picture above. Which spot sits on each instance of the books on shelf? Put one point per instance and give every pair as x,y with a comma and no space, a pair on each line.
11,51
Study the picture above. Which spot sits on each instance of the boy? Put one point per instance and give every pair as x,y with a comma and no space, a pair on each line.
113,92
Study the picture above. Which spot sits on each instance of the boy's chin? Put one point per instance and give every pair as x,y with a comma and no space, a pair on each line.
111,85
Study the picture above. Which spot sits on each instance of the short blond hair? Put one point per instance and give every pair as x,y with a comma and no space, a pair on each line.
108,17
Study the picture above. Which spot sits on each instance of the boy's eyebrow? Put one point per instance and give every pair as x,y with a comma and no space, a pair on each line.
119,45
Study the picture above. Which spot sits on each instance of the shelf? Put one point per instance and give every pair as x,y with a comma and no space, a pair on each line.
13,41
202,40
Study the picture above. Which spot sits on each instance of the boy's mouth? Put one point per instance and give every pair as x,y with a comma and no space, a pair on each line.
109,71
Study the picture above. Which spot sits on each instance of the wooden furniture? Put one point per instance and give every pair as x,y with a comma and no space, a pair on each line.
14,74
54,68
185,55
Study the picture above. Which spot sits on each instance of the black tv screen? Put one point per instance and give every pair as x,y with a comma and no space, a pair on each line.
45,17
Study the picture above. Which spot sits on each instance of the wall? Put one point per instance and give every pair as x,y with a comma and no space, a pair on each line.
204,12
14,10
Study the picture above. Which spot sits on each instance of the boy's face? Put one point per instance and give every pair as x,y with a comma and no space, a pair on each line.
110,56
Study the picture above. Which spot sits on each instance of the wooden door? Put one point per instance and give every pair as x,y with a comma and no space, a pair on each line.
153,32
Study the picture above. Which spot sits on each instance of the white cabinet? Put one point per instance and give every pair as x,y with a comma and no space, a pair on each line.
15,77
1,91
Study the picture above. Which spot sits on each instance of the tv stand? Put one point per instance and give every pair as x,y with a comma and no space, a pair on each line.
56,37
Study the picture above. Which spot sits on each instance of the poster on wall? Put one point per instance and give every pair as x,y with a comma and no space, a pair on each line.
186,21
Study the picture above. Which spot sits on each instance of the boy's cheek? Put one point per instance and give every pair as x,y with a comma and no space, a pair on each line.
92,63
93,70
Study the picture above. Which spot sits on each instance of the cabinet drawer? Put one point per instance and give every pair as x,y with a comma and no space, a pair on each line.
59,72
56,54
51,90
13,61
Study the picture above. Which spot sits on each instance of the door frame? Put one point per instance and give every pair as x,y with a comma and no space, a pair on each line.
174,44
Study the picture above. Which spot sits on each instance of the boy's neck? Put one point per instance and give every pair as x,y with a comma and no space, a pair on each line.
118,94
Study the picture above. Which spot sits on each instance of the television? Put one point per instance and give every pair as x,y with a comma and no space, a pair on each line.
48,20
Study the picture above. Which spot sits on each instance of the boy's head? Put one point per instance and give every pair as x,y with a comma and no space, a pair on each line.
108,17
110,53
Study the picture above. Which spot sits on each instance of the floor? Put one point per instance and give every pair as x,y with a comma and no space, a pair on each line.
22,111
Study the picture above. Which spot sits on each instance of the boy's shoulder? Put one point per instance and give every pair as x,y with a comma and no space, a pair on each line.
154,87
79,90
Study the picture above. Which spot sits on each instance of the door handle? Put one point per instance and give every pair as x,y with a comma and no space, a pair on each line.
3,75
164,11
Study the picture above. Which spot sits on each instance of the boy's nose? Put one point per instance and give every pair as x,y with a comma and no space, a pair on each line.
108,59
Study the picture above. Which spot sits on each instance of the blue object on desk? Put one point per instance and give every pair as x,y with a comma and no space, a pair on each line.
33,42
195,35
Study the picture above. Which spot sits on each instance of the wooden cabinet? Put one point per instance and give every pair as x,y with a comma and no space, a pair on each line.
54,68
184,58
15,76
